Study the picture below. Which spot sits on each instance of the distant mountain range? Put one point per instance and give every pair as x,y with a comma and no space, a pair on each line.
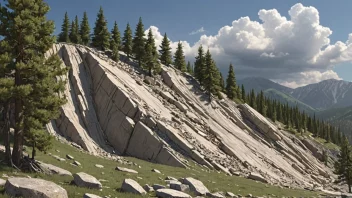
320,96
330,100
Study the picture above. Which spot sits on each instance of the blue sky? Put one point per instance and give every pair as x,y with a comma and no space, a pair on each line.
179,18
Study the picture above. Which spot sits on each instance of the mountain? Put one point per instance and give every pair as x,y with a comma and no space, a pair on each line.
115,107
287,98
326,94
261,84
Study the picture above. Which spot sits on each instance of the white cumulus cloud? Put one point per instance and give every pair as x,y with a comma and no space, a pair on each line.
294,51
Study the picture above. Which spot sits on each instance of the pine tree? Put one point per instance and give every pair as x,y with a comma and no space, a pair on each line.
165,51
29,76
211,80
127,41
199,65
101,35
115,37
189,68
231,83
222,82
115,52
179,58
343,167
151,59
138,46
252,100
243,94
64,35
74,32
262,106
84,30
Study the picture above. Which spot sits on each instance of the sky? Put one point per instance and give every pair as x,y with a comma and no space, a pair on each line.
294,43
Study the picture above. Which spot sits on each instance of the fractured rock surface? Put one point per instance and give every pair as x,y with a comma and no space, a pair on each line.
84,180
169,193
113,108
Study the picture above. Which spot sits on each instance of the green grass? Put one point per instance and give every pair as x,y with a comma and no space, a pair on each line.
213,180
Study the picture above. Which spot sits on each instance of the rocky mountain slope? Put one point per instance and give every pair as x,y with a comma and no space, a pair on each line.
114,108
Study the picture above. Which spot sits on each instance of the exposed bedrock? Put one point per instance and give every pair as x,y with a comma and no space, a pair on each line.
114,108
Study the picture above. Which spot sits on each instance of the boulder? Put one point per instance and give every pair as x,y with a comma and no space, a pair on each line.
215,195
84,180
230,194
196,186
132,186
148,188
55,170
127,170
2,182
99,166
87,195
316,151
158,186
69,157
156,171
169,193
32,187
257,177
179,187
171,178
77,163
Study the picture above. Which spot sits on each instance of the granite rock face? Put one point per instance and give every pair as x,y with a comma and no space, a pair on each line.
114,108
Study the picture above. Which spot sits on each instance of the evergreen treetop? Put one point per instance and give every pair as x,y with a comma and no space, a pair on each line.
179,61
101,35
127,41
85,30
199,65
115,37
65,28
165,51
138,46
231,83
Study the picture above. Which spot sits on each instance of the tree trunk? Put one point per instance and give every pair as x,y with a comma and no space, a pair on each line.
33,150
17,153
150,72
6,134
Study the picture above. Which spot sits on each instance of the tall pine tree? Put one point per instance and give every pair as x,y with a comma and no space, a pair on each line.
84,30
74,32
343,167
179,61
231,83
138,46
151,59
101,35
211,80
65,28
199,66
115,37
29,76
189,68
165,51
127,41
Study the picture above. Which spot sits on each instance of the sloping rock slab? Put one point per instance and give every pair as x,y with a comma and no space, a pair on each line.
84,180
127,170
55,170
87,195
31,187
257,177
169,193
131,186
196,186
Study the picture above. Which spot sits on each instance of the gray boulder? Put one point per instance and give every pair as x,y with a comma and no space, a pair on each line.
196,186
55,170
169,193
127,170
87,195
215,195
132,186
148,188
32,187
179,187
257,177
158,186
84,180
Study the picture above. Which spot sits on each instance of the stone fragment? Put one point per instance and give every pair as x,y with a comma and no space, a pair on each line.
84,180
196,186
214,195
33,187
87,195
99,166
158,186
156,171
77,163
230,194
127,170
2,182
55,170
148,188
169,193
179,187
131,186
257,177
69,157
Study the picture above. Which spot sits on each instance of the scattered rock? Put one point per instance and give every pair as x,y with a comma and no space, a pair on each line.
87,195
249,195
69,157
132,186
59,158
257,177
230,194
170,178
179,187
2,182
84,180
158,186
77,163
99,166
148,188
214,195
169,193
172,182
156,171
127,170
55,170
38,188
196,186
